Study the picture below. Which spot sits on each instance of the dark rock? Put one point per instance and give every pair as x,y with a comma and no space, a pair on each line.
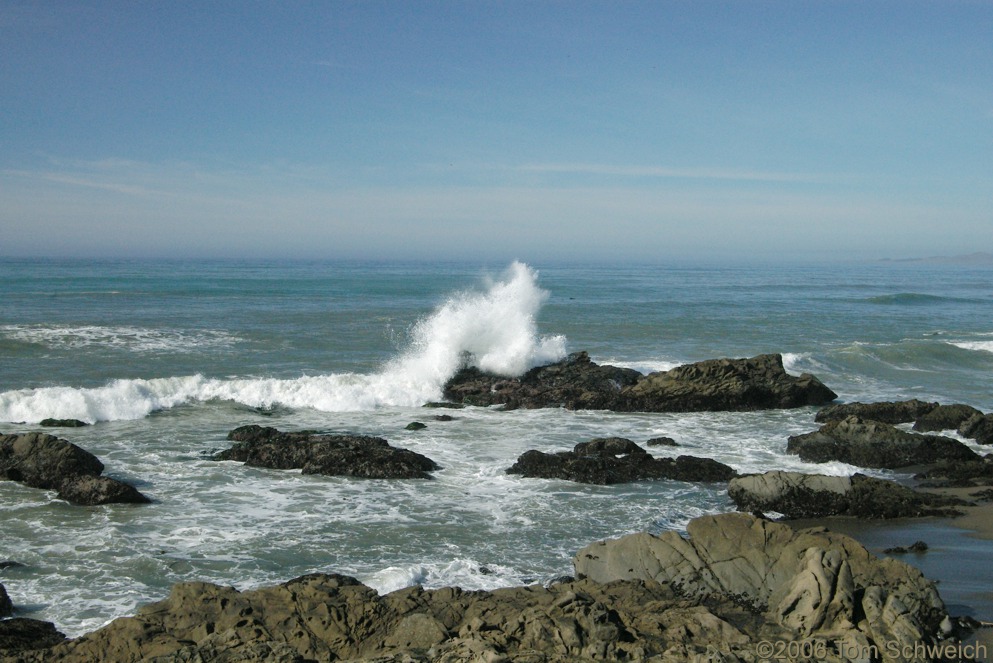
444,417
62,423
757,383
608,446
954,473
798,496
92,491
918,547
330,455
44,461
415,425
444,404
945,417
577,383
978,427
662,442
6,606
616,460
20,635
875,444
983,495
888,412
10,564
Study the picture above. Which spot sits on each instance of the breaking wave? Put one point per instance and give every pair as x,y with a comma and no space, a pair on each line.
494,329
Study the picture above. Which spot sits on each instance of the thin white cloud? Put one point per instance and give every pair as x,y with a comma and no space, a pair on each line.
663,172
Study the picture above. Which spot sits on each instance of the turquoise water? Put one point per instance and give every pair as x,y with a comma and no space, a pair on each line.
164,358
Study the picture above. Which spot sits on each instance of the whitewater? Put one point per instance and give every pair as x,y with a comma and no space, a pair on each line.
164,358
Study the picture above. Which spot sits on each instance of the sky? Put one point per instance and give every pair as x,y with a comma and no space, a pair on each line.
587,131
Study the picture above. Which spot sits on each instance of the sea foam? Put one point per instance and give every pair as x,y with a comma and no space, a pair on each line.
494,329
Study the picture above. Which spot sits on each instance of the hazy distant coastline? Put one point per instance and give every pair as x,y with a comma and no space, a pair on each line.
978,258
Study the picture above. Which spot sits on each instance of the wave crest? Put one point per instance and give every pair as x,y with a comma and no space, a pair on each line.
495,329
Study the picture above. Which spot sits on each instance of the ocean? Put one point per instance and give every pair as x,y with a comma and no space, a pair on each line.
164,358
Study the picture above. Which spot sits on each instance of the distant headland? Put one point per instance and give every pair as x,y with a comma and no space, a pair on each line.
981,258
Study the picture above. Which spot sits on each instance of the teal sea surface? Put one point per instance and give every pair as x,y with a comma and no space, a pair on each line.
164,358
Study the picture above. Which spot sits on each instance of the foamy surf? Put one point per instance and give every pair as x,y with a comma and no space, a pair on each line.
494,329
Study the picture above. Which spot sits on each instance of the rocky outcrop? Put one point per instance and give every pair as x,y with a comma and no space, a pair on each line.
333,617
979,427
870,443
945,417
963,473
888,412
40,460
758,383
28,637
737,582
577,383
613,460
811,583
330,455
6,606
92,490
797,495
62,423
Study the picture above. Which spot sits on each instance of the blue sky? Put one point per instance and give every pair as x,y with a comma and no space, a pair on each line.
496,130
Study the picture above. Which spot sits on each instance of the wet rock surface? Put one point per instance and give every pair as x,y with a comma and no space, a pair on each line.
871,443
40,460
578,383
888,412
331,455
735,582
797,495
28,637
6,606
613,460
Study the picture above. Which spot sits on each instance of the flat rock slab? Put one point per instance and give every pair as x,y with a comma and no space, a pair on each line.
329,455
605,461
576,383
797,495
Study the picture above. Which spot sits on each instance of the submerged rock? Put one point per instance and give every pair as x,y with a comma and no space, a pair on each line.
613,460
869,443
577,383
40,460
797,495
330,455
811,583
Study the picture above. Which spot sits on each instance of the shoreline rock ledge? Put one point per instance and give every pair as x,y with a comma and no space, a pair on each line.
737,583
577,383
